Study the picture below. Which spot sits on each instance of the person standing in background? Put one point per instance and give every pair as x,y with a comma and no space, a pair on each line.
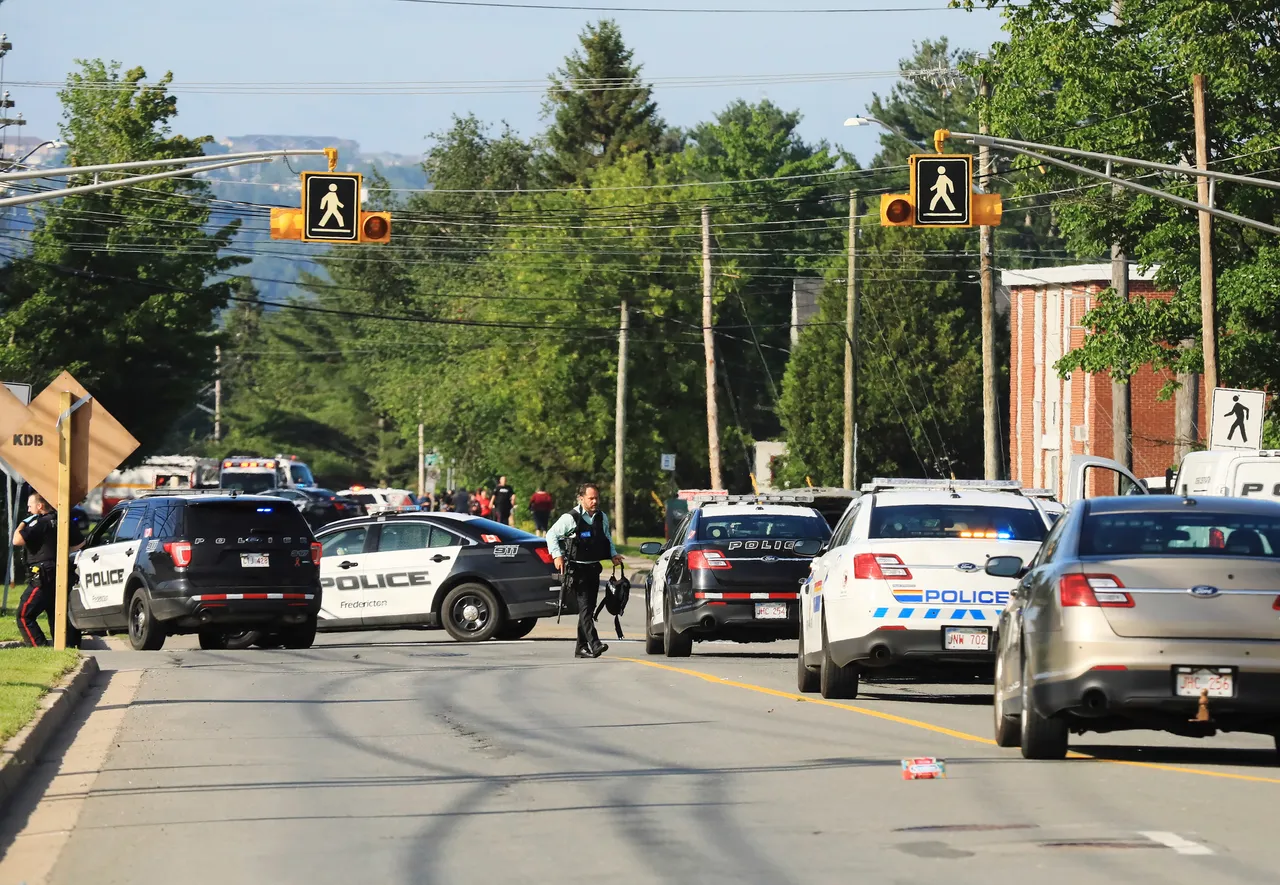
461,501
504,501
541,505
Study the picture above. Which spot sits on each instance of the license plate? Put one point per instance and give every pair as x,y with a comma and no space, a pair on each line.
966,638
1188,682
254,560
771,610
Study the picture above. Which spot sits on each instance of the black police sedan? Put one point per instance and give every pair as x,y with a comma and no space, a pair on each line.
476,578
729,572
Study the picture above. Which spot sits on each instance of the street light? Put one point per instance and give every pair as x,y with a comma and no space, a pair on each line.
867,121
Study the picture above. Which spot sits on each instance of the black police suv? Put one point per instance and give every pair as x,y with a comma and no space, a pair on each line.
318,507
729,572
215,564
477,578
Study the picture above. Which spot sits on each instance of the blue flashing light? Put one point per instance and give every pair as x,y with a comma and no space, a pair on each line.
1004,536
266,509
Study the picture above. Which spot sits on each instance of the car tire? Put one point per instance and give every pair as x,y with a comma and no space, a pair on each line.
1041,738
145,632
240,639
1008,729
269,641
471,613
516,629
652,644
674,643
807,678
212,640
300,636
836,682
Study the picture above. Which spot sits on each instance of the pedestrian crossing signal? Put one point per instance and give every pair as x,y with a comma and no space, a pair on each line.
375,227
941,195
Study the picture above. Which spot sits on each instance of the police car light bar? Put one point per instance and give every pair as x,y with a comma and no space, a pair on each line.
184,492
880,484
774,498
1046,493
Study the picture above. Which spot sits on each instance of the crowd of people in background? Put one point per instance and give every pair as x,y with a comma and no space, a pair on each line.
498,504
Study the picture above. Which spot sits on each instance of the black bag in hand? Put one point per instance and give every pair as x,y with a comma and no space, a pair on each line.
616,593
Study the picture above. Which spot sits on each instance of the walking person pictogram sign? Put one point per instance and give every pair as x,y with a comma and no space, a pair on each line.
1235,419
942,184
331,206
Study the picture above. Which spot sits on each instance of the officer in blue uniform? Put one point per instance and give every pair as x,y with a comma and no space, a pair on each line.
578,541
38,535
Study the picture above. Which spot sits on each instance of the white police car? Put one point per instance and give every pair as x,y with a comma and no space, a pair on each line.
900,586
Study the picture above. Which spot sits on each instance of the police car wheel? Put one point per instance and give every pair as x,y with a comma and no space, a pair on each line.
516,629
301,636
806,676
652,643
471,613
674,644
834,681
145,632
243,639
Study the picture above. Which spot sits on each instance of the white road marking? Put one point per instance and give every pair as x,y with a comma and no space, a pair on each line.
1177,843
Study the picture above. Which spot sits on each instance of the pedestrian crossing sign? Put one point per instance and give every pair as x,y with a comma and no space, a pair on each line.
941,186
1235,419
331,207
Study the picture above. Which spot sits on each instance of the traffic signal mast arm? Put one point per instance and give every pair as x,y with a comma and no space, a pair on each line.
1033,150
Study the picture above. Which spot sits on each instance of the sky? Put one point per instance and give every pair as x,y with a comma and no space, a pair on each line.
274,42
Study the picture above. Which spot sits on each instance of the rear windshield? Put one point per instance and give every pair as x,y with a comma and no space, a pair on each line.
761,526
230,519
956,521
249,482
505,533
1180,534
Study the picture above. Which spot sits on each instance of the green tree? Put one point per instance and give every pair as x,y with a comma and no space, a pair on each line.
599,107
116,287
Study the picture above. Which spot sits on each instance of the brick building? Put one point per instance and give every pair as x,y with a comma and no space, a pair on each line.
1051,418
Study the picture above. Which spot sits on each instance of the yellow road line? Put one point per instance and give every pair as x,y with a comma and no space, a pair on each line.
929,726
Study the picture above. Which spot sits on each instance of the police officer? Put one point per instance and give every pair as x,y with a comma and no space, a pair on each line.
38,534
578,541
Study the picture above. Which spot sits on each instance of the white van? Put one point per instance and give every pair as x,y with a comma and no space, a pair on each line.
1230,474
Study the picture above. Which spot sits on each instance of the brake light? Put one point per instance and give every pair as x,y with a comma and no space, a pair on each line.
316,551
544,554
1093,591
179,552
707,559
880,566
1217,540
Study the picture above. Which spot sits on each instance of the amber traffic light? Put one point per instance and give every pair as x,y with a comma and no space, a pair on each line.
375,227
987,209
896,210
286,224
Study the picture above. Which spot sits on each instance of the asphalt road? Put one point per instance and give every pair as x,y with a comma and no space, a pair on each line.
405,757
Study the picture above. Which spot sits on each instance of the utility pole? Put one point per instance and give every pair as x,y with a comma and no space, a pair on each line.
850,355
986,247
1208,294
217,393
422,465
620,427
709,353
1121,428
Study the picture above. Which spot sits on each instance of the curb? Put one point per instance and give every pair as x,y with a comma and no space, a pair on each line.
23,750
12,643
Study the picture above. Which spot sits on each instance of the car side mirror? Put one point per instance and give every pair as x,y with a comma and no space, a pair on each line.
1004,567
809,546
651,548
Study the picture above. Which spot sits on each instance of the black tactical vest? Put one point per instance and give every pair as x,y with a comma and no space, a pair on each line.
591,544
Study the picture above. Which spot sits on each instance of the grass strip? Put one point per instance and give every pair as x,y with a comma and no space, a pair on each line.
26,675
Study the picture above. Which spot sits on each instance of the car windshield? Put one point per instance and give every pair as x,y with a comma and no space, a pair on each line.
761,526
956,521
234,518
1178,533
248,481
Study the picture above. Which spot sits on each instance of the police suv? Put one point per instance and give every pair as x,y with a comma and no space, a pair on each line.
900,585
730,571
212,563
477,578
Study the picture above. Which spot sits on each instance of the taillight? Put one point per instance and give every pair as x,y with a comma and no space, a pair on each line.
1093,591
544,554
179,552
316,550
1217,540
338,505
707,559
880,566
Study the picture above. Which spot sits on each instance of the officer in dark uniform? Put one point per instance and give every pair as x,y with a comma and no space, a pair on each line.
578,541
38,535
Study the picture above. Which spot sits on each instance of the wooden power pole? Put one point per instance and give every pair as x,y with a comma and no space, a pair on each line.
709,352
1208,293
620,428
850,352
986,248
